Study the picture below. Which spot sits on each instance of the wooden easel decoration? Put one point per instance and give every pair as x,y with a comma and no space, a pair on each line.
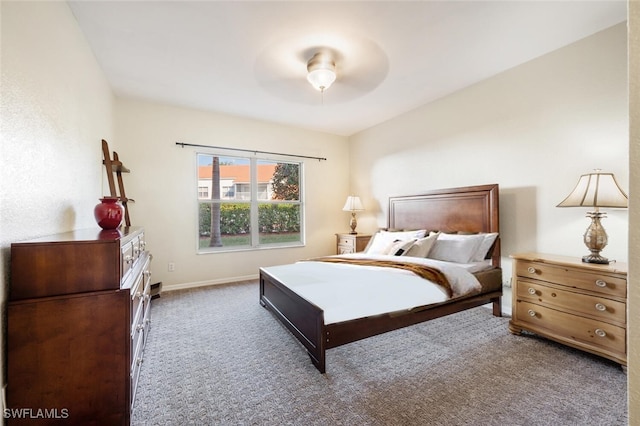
115,167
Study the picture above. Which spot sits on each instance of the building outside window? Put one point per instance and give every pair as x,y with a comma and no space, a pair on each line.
248,202
203,192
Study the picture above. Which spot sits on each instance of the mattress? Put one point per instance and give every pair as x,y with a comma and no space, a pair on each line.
345,292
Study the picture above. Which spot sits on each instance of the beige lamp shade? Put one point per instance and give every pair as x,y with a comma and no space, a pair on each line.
353,204
596,190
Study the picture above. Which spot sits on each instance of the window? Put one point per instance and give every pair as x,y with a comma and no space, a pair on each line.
203,192
246,203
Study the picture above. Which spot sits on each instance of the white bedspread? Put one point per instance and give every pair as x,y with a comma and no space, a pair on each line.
346,292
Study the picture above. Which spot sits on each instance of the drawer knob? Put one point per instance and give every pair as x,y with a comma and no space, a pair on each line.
532,290
531,270
128,259
601,307
600,332
601,283
532,313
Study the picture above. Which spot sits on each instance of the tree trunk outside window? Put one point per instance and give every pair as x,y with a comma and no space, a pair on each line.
216,237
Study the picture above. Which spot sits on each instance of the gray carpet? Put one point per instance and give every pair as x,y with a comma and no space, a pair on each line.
216,357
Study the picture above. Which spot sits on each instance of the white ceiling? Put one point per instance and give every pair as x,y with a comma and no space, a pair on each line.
249,58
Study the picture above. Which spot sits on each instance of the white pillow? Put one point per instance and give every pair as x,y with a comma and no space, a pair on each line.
484,247
398,248
383,239
422,246
456,248
405,235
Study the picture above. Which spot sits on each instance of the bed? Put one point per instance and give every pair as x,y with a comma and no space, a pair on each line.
463,211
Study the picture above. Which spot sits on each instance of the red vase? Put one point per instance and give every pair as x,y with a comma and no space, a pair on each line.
109,213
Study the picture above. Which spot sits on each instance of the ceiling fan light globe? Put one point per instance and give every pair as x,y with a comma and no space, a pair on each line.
322,78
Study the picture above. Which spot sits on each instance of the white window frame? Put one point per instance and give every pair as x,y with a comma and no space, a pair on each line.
254,203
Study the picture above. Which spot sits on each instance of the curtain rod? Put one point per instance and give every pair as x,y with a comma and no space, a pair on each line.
250,150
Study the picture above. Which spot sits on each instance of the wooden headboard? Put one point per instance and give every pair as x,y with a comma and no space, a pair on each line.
467,209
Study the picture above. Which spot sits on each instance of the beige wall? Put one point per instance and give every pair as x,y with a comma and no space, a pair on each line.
55,107
633,312
533,130
163,183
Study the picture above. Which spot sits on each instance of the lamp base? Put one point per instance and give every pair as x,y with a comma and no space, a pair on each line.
595,238
353,223
595,258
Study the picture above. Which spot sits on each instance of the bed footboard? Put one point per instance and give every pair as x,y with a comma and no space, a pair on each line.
303,319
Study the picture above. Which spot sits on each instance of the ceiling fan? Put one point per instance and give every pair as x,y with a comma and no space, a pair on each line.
351,66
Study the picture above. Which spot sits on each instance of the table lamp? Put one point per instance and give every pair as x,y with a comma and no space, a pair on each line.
596,190
353,205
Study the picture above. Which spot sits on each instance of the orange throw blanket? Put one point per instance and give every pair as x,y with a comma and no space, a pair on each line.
427,272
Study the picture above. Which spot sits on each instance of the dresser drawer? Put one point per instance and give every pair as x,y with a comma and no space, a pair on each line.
345,249
346,244
347,241
592,306
137,334
127,259
586,280
572,328
136,363
135,244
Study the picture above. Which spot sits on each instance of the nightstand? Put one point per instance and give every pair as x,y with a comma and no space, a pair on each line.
582,305
351,243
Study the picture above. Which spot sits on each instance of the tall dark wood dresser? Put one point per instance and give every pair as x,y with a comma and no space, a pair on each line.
77,320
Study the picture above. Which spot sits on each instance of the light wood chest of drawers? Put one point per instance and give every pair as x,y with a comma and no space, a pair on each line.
582,305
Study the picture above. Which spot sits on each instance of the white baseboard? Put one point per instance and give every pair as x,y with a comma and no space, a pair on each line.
184,286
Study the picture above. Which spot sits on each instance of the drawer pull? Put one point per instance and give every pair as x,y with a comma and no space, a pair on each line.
601,283
601,307
531,270
600,332
532,290
532,313
128,259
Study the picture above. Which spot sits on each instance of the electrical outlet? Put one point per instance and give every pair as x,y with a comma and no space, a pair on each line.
507,283
171,267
